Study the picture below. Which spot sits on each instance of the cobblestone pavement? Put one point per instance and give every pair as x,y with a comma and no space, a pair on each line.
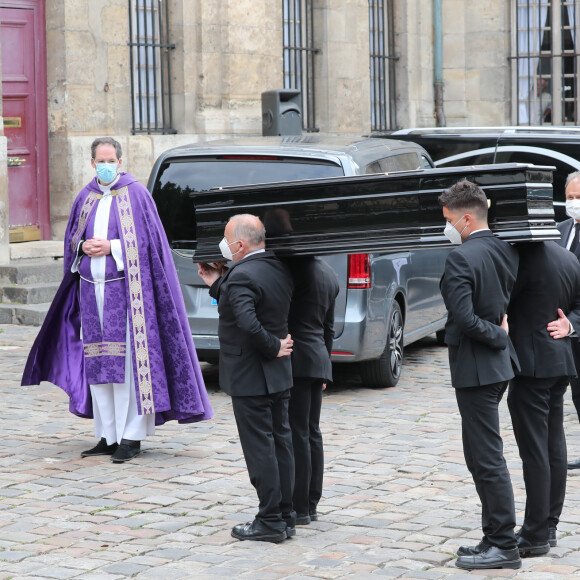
397,502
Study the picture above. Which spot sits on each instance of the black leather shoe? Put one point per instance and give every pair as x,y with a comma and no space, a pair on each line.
126,451
574,464
552,538
303,519
101,448
313,516
491,557
257,532
528,548
473,550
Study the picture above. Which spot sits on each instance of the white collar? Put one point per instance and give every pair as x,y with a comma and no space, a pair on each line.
106,189
254,252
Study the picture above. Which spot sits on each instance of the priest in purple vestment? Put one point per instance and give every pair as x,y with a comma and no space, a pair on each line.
116,338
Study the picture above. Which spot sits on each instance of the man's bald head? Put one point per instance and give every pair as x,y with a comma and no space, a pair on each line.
248,230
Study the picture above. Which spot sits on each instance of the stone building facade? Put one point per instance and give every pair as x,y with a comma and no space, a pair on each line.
220,55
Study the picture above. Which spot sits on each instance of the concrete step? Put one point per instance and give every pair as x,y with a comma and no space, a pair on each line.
28,293
33,271
23,314
41,249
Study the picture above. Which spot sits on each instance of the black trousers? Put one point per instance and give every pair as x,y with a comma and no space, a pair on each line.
483,451
266,440
304,413
575,381
537,410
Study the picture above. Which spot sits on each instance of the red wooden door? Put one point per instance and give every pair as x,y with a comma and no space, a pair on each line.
24,112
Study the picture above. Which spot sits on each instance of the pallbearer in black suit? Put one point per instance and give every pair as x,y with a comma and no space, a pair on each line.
253,302
476,285
545,298
570,230
311,324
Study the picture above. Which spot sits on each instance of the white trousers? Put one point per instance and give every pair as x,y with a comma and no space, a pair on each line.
115,404
115,409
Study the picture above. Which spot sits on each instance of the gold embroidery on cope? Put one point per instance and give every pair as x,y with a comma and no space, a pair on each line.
133,275
88,205
93,349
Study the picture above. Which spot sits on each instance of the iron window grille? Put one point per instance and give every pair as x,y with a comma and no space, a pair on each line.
299,52
382,66
149,54
545,63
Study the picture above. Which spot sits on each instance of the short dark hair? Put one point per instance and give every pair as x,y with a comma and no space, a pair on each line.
106,141
465,196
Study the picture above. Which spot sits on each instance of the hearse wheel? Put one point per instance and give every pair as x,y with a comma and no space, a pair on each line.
386,370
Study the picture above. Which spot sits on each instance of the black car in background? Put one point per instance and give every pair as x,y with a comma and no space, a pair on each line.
456,146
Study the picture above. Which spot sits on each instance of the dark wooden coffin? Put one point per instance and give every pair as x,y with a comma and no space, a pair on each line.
374,213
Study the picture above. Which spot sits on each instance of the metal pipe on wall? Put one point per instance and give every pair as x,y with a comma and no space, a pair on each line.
438,82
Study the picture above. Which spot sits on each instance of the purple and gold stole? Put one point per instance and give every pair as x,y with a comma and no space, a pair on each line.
104,347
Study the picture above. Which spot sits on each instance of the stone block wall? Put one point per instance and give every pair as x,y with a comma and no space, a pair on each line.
227,52
476,73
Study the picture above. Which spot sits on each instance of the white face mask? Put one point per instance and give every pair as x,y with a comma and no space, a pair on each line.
452,234
573,208
225,250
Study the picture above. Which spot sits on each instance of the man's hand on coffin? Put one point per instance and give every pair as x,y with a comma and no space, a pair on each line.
208,273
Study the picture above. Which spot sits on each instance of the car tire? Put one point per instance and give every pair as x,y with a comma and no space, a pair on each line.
385,371
440,337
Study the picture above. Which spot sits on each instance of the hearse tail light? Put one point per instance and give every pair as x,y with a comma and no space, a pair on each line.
359,271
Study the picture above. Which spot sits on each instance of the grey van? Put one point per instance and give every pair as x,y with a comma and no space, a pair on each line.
386,300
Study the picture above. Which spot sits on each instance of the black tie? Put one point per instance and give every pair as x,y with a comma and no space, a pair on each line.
575,243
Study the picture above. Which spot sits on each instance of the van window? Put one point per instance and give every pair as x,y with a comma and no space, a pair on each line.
179,180
401,162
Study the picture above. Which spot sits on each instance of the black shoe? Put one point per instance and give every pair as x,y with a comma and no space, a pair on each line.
313,516
528,548
552,538
473,550
491,557
258,532
101,448
290,531
303,519
126,451
574,464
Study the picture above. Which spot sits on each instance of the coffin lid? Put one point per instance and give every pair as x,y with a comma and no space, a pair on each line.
374,213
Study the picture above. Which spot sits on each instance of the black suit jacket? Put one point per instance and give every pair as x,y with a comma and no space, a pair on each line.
253,303
548,279
476,285
565,227
311,318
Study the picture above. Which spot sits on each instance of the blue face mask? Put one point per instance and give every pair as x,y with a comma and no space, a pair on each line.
106,172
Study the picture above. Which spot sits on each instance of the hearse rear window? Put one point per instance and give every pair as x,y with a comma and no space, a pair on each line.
180,180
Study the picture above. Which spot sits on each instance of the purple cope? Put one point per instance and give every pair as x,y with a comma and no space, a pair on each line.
168,379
